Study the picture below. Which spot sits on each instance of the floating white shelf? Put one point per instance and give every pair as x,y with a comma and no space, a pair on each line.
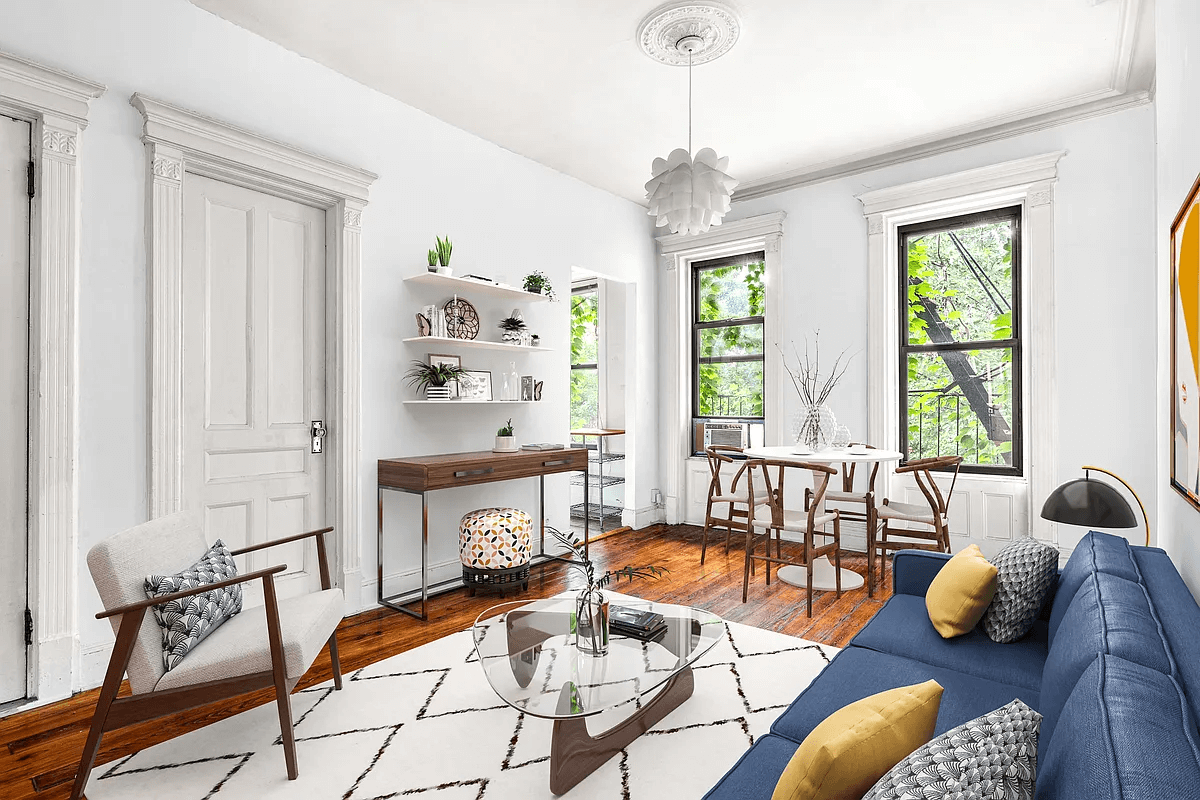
467,402
465,286
478,344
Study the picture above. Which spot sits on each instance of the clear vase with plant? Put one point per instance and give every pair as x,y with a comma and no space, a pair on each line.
536,282
433,379
591,606
816,426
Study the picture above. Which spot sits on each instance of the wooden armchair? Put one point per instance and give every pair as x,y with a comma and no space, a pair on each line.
773,517
255,649
933,516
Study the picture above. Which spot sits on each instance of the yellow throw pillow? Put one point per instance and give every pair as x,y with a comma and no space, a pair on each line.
854,747
961,592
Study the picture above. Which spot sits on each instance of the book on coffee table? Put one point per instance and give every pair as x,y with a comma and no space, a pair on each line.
647,626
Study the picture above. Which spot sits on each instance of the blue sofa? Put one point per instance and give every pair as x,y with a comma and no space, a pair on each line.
1113,665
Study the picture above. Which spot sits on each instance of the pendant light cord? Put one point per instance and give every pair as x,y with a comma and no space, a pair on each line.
689,103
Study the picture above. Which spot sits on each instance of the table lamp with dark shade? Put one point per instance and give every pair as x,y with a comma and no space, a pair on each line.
1093,503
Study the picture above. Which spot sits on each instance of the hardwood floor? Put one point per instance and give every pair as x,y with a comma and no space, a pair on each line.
40,749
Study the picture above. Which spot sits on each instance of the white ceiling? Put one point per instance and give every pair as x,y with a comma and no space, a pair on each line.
812,88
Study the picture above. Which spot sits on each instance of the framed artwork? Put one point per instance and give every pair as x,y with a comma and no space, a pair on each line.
475,384
1185,348
454,361
527,387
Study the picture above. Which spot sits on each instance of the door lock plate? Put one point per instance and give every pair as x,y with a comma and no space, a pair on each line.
318,435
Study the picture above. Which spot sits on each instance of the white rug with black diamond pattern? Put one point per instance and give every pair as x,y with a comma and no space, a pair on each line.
425,722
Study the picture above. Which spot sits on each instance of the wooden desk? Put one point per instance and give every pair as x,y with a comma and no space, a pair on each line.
423,474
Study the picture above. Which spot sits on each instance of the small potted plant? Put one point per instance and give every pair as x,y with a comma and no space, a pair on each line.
535,340
506,442
433,260
536,282
591,606
444,248
513,327
433,378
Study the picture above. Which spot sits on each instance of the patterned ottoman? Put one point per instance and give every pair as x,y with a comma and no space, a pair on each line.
493,546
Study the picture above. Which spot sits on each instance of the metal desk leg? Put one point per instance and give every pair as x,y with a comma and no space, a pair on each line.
424,554
379,544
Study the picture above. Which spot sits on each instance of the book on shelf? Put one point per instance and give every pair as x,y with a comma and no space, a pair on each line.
543,446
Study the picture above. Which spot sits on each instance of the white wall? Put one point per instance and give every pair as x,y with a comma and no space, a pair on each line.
1177,106
1105,293
506,215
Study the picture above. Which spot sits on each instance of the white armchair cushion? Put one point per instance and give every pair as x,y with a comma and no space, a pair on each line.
241,646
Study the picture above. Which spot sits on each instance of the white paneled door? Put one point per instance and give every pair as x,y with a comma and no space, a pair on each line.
254,367
14,403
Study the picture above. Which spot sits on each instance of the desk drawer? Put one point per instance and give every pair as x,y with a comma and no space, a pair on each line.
468,469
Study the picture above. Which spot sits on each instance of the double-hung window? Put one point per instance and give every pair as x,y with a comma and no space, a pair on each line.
585,347
960,342
729,303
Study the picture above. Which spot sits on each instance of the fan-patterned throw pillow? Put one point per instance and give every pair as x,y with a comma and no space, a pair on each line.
1026,571
188,620
993,757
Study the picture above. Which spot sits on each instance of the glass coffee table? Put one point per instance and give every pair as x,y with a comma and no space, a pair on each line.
528,653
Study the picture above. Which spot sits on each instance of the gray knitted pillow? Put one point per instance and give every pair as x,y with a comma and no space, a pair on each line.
185,622
993,757
1027,569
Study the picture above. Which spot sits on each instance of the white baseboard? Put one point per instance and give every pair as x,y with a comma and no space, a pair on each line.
93,663
637,518
404,581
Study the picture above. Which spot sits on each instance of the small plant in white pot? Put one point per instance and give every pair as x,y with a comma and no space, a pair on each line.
432,259
444,248
434,379
505,441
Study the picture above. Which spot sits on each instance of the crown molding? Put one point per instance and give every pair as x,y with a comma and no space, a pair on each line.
26,85
222,145
914,150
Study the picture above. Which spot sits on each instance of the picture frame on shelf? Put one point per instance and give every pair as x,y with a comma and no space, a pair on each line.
527,388
454,361
475,384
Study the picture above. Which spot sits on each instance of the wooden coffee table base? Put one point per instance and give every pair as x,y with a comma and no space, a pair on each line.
575,753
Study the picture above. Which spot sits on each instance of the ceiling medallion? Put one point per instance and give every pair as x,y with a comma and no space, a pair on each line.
715,25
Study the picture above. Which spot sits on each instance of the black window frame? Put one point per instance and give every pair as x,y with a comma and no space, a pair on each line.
1015,342
748,257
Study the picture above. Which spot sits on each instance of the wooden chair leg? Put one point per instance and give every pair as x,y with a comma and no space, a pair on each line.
749,562
131,623
279,668
704,533
337,663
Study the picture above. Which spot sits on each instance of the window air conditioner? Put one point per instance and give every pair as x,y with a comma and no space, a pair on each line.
730,434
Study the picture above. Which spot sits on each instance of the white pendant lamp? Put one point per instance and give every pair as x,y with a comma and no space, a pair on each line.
689,194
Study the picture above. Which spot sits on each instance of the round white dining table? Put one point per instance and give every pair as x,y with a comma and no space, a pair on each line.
824,575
